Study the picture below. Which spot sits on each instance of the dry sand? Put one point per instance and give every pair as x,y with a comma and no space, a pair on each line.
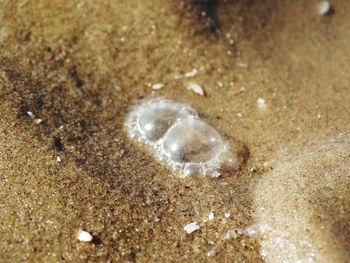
71,70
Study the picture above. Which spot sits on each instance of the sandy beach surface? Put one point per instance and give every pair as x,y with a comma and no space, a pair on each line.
276,84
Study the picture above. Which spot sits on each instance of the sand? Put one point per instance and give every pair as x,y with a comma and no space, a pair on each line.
71,71
306,218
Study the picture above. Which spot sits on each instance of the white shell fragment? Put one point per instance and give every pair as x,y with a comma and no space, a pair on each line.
324,7
180,138
38,121
157,86
261,102
190,228
211,216
84,236
195,88
191,73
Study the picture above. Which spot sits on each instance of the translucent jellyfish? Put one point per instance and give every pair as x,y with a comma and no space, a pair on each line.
180,138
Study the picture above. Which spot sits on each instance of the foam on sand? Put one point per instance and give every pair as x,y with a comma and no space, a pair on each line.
304,204
181,138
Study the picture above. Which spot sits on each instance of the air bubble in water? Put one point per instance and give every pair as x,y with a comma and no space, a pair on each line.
153,119
180,138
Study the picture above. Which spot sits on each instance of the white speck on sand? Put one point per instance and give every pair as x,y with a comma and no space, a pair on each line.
233,234
191,73
58,159
211,216
242,65
239,115
256,230
220,84
84,236
117,88
177,76
190,228
211,253
324,7
253,169
227,215
157,86
242,89
261,102
38,121
195,88
216,174
30,114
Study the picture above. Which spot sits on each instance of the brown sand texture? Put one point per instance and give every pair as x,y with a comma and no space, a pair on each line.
276,85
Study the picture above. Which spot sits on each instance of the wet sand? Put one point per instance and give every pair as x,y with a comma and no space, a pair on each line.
71,71
305,218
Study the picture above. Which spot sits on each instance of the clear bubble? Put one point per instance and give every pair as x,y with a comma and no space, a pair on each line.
191,140
180,138
154,118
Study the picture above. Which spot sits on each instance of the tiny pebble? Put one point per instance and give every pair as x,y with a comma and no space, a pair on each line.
261,102
157,86
242,65
84,236
195,88
190,228
323,7
253,169
227,215
58,159
220,84
211,216
211,253
191,73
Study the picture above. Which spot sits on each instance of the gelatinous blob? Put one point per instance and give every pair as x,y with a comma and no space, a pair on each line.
180,138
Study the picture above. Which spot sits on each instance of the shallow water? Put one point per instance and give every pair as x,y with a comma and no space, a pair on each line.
80,66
